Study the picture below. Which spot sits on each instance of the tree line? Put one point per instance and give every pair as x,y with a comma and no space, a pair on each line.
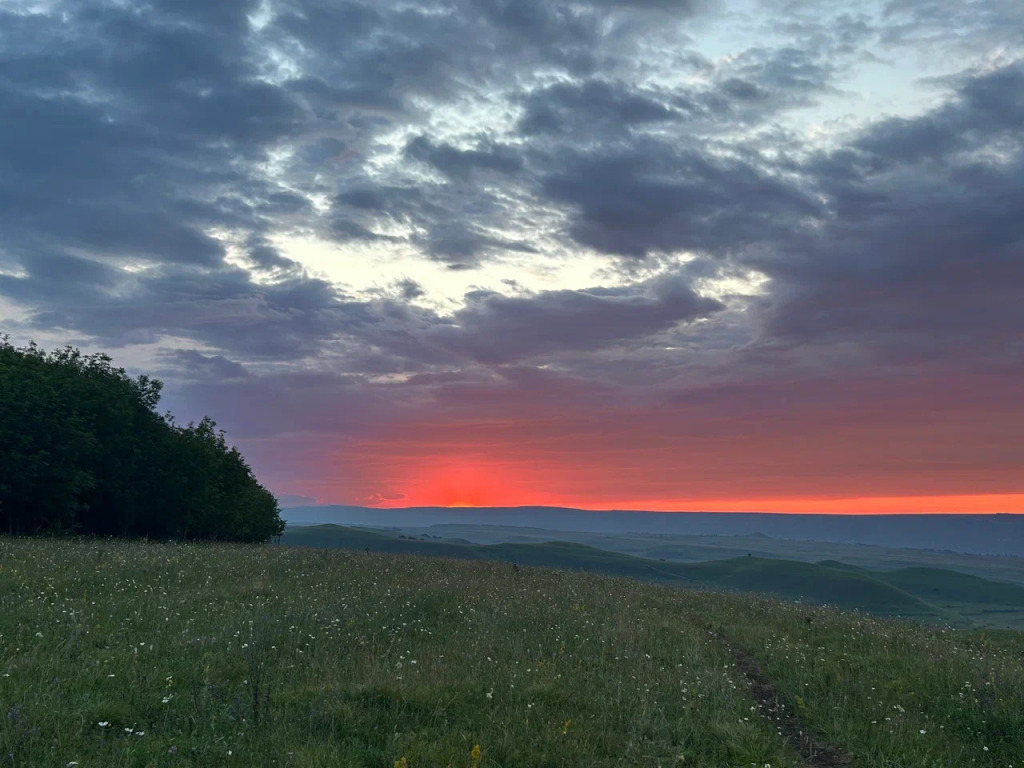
84,450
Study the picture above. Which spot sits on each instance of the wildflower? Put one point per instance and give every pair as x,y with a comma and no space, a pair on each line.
565,727
401,763
474,754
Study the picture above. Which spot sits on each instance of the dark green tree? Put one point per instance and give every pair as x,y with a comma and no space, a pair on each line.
83,448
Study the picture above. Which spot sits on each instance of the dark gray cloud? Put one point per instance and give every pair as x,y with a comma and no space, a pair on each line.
764,81
567,108
451,220
461,163
125,137
190,364
751,89
922,255
654,196
934,24
286,319
987,111
493,328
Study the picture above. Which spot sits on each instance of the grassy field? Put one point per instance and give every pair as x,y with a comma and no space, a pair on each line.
936,595
133,654
691,547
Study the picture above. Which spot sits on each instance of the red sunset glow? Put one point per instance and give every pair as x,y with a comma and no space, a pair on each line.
856,449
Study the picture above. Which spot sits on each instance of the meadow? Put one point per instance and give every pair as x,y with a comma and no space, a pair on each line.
915,590
143,654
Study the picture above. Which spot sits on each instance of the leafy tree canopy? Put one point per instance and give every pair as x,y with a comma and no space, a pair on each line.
83,449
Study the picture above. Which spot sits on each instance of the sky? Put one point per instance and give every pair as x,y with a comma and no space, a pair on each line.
653,254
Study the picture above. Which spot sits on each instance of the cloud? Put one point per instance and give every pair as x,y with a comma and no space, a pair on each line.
988,108
933,24
921,256
190,364
566,108
450,222
364,212
493,328
287,319
655,196
461,163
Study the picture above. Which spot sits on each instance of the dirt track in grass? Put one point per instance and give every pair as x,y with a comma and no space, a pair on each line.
770,703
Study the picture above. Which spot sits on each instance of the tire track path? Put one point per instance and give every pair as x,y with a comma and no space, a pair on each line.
771,704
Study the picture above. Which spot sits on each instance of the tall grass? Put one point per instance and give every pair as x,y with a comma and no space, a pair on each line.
133,654
130,654
890,693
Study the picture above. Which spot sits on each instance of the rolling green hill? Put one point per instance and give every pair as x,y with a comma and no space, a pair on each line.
700,548
939,584
928,594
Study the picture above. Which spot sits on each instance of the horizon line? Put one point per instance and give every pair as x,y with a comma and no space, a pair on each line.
877,507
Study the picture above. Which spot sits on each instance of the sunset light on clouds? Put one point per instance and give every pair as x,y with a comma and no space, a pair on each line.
758,255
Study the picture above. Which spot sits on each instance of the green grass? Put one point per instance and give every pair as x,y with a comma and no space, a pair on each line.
690,548
135,654
940,584
892,694
925,594
309,658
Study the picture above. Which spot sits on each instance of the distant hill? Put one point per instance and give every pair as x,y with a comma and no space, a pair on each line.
974,534
939,584
929,594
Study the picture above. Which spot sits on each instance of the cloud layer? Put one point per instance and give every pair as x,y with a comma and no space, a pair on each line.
677,248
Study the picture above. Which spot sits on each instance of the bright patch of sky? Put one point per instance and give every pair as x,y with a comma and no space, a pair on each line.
873,78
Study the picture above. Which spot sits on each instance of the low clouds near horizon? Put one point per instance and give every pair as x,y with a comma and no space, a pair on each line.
484,251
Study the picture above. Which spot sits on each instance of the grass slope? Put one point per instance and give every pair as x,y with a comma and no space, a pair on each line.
939,584
843,587
690,548
141,654
132,654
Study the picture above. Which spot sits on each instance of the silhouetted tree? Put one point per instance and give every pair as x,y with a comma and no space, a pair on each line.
83,448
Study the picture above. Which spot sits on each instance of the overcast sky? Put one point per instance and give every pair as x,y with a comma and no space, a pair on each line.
671,254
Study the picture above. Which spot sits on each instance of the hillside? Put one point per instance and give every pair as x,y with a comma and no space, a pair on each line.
964,533
137,654
935,595
702,547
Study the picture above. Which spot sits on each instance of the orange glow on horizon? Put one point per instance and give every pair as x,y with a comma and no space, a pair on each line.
977,504
455,495
660,463
467,483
